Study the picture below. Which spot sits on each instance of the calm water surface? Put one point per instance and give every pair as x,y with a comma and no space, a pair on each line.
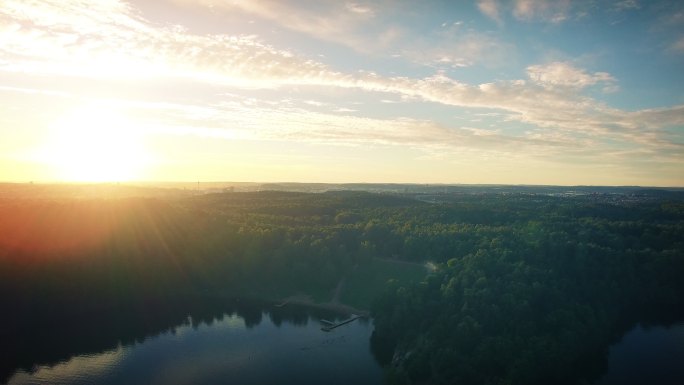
227,351
652,355
287,346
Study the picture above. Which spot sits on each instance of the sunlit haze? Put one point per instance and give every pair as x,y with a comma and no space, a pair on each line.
512,92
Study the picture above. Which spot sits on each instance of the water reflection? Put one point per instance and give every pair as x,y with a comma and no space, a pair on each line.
245,341
82,369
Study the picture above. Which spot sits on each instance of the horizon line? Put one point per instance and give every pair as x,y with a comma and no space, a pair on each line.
200,182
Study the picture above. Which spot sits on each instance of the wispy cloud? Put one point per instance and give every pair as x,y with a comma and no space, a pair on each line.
70,38
626,5
491,9
677,46
337,22
562,74
548,11
244,60
360,9
459,47
554,11
109,38
236,120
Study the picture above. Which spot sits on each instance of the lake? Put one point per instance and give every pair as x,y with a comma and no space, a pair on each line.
249,342
653,355
271,346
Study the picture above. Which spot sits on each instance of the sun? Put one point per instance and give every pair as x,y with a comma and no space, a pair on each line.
96,144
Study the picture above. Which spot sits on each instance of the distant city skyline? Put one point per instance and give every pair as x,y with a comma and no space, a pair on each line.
484,92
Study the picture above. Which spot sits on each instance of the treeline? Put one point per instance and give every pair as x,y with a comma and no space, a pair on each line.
538,298
64,258
529,288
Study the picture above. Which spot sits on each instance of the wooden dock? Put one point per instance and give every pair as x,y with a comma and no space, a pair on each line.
332,325
283,303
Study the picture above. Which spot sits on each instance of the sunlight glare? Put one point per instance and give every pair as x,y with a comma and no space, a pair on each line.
96,144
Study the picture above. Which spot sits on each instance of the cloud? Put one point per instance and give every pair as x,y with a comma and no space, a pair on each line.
547,108
456,48
491,9
563,74
314,103
111,40
332,21
36,91
345,110
626,5
360,9
547,11
247,121
677,46
554,11
236,120
657,117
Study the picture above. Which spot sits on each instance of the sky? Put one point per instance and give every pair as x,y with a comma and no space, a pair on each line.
490,91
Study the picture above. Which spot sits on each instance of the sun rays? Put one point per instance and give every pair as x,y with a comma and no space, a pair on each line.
96,144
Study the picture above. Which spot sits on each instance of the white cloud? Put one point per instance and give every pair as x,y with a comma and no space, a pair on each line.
656,117
562,74
110,39
332,21
455,48
236,120
360,9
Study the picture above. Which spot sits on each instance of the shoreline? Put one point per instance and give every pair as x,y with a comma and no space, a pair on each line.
305,300
298,300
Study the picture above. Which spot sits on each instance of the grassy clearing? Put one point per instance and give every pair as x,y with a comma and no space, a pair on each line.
279,291
366,282
361,286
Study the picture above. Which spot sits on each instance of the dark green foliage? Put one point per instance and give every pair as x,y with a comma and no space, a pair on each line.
534,299
529,289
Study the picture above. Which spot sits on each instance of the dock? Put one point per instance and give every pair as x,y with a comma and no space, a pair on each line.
283,303
332,325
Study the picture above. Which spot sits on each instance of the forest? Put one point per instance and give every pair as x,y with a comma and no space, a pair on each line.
525,288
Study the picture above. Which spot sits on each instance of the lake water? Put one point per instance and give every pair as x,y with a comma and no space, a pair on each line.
266,349
256,343
653,355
